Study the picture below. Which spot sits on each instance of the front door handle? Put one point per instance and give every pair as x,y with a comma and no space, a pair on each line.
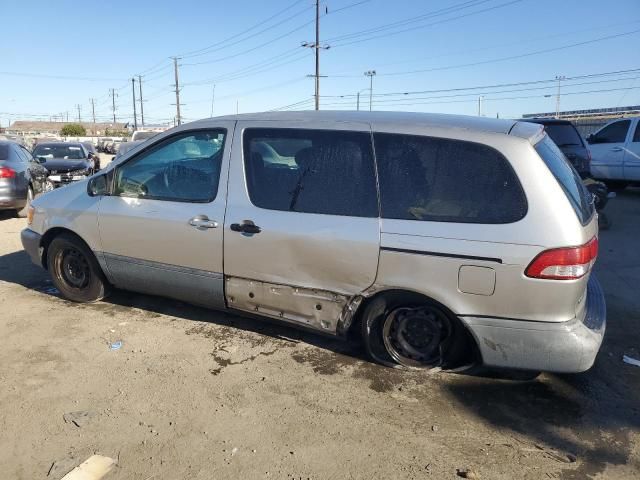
247,226
202,222
616,149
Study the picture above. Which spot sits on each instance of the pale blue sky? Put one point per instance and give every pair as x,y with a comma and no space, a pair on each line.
93,46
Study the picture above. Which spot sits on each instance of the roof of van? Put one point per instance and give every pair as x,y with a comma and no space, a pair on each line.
440,120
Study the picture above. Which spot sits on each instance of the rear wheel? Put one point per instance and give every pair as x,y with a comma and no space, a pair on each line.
75,271
23,213
412,331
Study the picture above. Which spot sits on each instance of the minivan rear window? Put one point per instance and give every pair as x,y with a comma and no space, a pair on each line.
567,177
564,134
446,180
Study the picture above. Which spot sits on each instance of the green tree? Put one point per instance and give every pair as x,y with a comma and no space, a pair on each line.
73,130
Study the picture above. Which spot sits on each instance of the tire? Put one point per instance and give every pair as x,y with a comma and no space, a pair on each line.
75,271
23,213
408,330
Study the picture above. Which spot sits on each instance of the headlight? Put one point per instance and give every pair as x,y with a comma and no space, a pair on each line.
84,172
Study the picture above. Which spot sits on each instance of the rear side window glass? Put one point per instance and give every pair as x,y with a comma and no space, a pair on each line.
567,177
564,135
311,171
614,133
4,152
443,180
636,135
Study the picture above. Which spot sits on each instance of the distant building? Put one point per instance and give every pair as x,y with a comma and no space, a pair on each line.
35,128
588,121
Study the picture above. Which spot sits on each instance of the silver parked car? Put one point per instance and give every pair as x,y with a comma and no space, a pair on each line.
441,240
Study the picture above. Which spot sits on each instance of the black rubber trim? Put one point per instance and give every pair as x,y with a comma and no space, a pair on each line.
441,254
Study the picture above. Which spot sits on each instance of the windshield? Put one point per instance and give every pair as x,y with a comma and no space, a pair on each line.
66,152
567,177
564,134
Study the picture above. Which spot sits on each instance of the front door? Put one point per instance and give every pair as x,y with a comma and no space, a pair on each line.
161,228
302,229
632,156
607,150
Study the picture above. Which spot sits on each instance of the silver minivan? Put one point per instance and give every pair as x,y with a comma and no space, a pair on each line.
441,240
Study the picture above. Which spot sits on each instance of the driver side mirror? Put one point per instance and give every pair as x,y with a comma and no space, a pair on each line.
98,186
591,138
41,159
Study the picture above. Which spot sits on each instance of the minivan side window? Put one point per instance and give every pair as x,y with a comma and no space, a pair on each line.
183,168
444,180
614,133
311,171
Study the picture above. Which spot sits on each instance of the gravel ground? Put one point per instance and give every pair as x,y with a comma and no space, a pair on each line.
199,394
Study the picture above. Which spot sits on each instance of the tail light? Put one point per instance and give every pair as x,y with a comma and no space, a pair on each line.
6,172
564,263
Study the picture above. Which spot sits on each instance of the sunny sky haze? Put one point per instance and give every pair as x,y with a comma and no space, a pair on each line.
56,54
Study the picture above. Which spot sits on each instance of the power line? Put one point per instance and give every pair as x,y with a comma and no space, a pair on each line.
498,85
501,59
197,52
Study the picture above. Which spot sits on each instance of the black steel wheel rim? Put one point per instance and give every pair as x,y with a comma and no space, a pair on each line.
414,337
73,268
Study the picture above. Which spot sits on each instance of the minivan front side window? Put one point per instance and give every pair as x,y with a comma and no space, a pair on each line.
614,133
185,168
311,171
445,180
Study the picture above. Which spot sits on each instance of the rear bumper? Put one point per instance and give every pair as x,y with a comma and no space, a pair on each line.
8,197
31,245
567,347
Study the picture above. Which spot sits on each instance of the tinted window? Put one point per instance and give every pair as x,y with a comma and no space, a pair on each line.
27,154
21,155
441,180
567,177
614,133
636,135
4,151
563,135
183,168
311,171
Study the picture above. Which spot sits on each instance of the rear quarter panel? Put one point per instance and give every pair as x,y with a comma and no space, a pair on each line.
550,222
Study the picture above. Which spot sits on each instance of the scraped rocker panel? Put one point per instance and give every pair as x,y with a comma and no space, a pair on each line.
182,283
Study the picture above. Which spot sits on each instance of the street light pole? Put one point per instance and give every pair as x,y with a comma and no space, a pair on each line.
370,74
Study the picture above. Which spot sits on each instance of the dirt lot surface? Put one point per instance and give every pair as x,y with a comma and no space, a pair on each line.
198,394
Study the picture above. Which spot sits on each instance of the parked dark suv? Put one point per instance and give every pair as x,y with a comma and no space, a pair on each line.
21,177
567,138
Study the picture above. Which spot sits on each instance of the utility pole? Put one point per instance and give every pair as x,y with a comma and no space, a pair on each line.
93,114
78,106
213,98
67,112
559,78
175,70
113,104
141,105
480,98
135,115
370,74
317,47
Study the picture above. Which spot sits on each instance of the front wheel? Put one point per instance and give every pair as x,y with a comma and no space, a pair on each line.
75,271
